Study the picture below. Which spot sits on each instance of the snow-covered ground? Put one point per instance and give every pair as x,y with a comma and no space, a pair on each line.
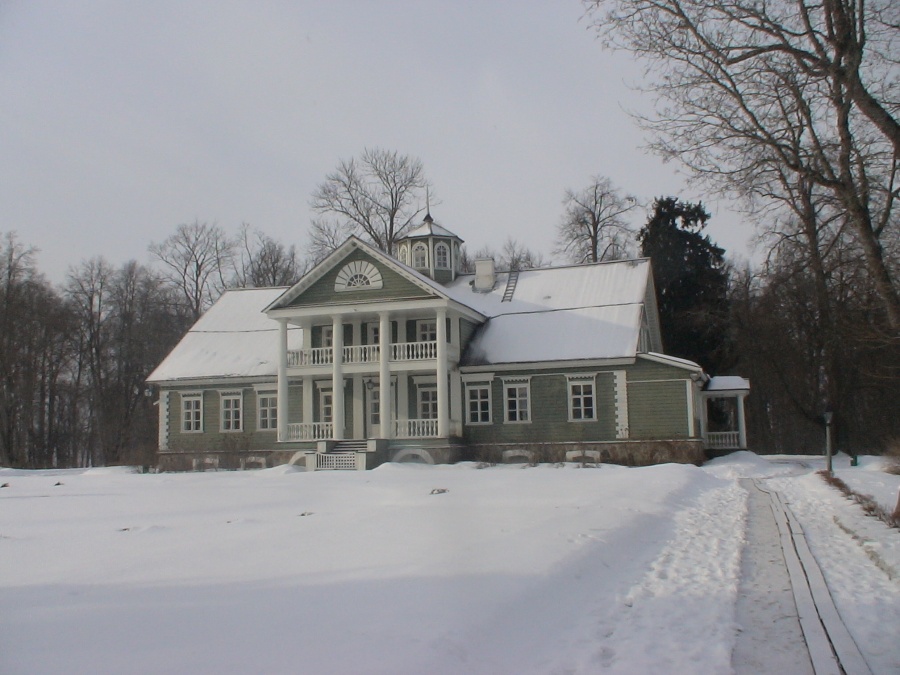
415,569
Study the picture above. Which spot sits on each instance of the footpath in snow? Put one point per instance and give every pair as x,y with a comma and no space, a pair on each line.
410,569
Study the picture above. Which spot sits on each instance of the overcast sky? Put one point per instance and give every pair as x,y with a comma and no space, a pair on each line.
122,119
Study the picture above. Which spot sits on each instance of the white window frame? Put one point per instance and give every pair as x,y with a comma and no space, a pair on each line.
373,333
517,383
423,249
426,330
270,418
322,394
479,387
227,415
194,397
582,381
432,403
404,255
328,336
438,250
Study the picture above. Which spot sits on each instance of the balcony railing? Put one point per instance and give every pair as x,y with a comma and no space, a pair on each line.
723,440
310,431
362,354
399,351
414,351
415,428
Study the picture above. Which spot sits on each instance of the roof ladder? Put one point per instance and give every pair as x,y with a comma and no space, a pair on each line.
511,282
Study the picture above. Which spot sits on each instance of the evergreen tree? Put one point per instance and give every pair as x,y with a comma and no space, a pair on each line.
691,283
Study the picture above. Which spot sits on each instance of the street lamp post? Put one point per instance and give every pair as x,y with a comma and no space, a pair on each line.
829,416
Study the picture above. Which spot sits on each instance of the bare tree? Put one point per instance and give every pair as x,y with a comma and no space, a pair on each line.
513,257
264,261
376,196
197,261
592,227
744,86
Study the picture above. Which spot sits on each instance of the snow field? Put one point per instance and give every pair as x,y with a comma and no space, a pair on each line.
510,570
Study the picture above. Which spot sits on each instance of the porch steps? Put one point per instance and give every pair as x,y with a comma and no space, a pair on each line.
350,446
511,282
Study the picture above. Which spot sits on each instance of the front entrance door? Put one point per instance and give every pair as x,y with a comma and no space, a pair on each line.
373,411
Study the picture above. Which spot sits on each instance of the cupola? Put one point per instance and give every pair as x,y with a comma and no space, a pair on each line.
431,250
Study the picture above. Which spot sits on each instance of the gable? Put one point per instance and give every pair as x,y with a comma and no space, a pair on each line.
392,285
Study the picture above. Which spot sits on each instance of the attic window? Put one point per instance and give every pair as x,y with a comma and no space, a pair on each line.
358,275
420,256
442,256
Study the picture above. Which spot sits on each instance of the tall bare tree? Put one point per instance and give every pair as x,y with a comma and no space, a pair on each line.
264,261
808,86
376,196
593,227
197,261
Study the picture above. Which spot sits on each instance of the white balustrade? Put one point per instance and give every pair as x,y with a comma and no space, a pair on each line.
361,354
414,351
415,428
317,356
310,431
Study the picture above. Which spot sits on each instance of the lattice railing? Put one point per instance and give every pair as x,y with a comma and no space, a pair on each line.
336,460
723,440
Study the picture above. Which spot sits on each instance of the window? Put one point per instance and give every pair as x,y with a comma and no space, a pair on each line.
517,401
359,274
374,334
420,256
404,255
327,336
581,400
267,415
428,406
478,402
326,407
427,331
442,256
375,406
231,412
191,413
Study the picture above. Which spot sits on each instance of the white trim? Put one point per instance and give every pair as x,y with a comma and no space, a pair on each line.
514,381
689,396
620,384
270,395
473,386
582,381
231,396
268,387
486,378
356,268
671,361
420,323
425,380
547,365
194,395
164,420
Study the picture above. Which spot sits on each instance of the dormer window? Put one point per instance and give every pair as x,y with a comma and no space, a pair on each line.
358,275
442,257
420,256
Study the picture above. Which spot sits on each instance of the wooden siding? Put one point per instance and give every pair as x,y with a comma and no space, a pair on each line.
394,286
657,410
549,408
211,439
466,330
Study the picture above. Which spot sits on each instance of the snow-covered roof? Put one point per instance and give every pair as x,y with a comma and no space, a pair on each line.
232,339
728,383
428,229
559,313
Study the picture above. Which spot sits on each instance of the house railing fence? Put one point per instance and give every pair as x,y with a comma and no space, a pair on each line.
723,440
350,354
310,431
415,428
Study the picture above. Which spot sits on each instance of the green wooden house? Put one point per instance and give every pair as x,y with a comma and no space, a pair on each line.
371,358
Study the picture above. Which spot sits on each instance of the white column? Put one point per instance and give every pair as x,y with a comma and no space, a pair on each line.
442,393
309,395
742,426
337,378
384,375
282,403
359,398
456,406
